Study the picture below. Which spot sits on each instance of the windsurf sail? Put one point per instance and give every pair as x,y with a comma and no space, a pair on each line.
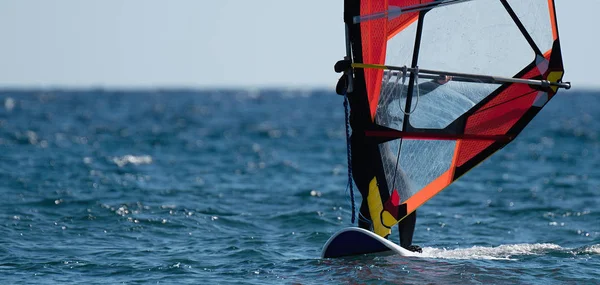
436,87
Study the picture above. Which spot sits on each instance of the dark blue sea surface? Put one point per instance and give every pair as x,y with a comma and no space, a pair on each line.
245,187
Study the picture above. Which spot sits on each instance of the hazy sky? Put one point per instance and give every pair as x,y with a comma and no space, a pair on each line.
209,43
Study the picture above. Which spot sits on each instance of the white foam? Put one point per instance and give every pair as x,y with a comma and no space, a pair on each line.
9,104
593,249
503,252
131,159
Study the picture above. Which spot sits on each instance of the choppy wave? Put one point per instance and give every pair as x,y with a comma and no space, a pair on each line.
246,187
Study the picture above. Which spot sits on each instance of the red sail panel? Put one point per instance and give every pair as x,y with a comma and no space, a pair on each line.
373,46
374,36
497,116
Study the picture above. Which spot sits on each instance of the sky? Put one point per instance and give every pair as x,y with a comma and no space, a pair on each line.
209,43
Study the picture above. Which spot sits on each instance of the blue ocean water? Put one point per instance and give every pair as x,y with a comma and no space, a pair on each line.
245,187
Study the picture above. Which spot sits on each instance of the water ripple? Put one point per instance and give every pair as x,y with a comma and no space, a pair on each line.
245,187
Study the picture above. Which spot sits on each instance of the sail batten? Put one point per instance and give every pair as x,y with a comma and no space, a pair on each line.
395,11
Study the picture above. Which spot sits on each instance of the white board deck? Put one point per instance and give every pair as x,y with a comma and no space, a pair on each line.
356,241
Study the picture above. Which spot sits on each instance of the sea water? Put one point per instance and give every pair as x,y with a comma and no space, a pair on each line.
246,186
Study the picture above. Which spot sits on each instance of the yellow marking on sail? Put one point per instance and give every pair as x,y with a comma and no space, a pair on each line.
387,219
554,76
382,219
